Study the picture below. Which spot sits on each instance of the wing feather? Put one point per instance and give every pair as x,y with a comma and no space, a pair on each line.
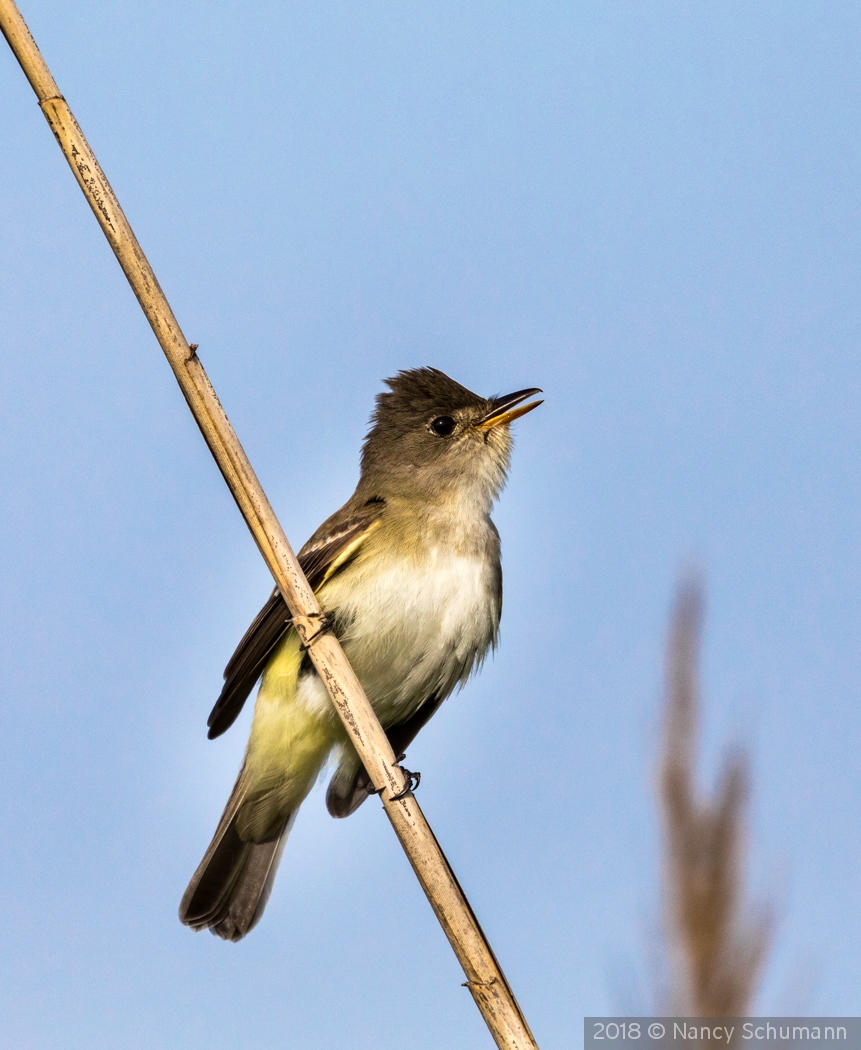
328,551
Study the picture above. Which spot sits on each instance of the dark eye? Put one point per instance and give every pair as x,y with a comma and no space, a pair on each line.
443,426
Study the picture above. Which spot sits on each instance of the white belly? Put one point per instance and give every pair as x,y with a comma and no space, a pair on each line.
411,629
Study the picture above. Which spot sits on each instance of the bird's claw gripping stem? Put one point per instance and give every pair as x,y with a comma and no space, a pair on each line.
327,622
413,781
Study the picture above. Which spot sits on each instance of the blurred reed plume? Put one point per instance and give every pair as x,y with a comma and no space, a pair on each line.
717,943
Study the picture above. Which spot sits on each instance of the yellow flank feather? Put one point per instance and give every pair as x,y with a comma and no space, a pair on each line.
293,731
288,745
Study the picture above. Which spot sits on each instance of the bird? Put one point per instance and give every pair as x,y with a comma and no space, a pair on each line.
408,576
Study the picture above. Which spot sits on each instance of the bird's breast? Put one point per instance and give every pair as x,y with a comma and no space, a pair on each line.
412,627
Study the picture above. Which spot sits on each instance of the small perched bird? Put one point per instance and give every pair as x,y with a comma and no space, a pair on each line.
409,576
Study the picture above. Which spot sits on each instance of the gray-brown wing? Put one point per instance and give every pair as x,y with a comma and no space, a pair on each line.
247,663
320,558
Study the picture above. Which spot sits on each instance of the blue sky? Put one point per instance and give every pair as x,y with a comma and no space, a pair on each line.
648,209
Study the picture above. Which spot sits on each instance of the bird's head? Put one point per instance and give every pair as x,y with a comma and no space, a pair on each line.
431,437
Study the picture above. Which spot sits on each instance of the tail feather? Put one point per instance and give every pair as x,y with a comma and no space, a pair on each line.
250,893
229,890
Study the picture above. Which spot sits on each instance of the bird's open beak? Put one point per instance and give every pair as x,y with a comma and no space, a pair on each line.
503,409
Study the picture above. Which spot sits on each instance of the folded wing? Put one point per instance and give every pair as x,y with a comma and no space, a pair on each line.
328,551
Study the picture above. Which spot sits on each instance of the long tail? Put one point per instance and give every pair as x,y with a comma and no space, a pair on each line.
229,890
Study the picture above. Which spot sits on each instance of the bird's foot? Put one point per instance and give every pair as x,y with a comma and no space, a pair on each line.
327,622
413,781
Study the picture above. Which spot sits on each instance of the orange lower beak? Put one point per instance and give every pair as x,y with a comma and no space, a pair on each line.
503,410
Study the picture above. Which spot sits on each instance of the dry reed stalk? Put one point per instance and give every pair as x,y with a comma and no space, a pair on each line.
717,942
485,979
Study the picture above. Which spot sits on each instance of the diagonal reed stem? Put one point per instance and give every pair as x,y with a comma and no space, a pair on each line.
485,978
